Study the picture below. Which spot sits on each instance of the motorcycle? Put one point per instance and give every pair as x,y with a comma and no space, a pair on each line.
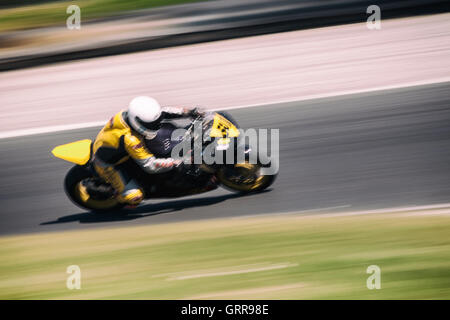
86,189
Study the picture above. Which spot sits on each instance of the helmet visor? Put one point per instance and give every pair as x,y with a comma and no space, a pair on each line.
153,125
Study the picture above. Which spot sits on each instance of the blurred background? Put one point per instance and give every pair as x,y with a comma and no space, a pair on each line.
364,148
33,32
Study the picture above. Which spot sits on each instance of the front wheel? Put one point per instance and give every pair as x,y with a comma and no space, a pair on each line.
75,187
245,177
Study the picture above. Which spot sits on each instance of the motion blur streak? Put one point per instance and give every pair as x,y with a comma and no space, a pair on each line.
370,151
269,68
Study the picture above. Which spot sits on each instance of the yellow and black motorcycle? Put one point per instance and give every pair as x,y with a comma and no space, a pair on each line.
219,131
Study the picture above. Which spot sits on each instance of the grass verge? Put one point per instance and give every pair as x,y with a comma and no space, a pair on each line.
54,13
271,257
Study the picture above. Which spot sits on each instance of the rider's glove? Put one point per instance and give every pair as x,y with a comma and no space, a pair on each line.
196,112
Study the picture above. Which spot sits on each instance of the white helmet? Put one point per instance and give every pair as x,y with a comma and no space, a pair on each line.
143,115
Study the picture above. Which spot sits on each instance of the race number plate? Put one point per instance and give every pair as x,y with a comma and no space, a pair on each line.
223,128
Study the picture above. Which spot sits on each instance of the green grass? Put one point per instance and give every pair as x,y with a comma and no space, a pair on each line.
323,258
54,13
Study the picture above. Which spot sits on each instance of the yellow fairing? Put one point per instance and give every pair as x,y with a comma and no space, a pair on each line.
77,152
223,128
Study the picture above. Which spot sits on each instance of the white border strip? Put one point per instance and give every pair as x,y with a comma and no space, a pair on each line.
347,92
389,210
65,127
441,208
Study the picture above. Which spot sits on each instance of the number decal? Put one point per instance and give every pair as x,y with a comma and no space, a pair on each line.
223,128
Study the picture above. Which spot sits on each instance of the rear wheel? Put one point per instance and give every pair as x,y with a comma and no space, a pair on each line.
245,177
76,187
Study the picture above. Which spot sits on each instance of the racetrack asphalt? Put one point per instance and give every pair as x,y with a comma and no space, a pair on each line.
363,151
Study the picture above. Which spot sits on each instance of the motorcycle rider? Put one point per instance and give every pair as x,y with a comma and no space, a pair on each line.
123,138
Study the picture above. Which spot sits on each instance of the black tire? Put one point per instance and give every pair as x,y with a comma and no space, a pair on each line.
71,184
267,181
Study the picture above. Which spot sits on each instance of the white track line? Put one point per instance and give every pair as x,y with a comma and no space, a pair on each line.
390,210
49,129
347,92
413,210
226,273
445,211
64,127
292,212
